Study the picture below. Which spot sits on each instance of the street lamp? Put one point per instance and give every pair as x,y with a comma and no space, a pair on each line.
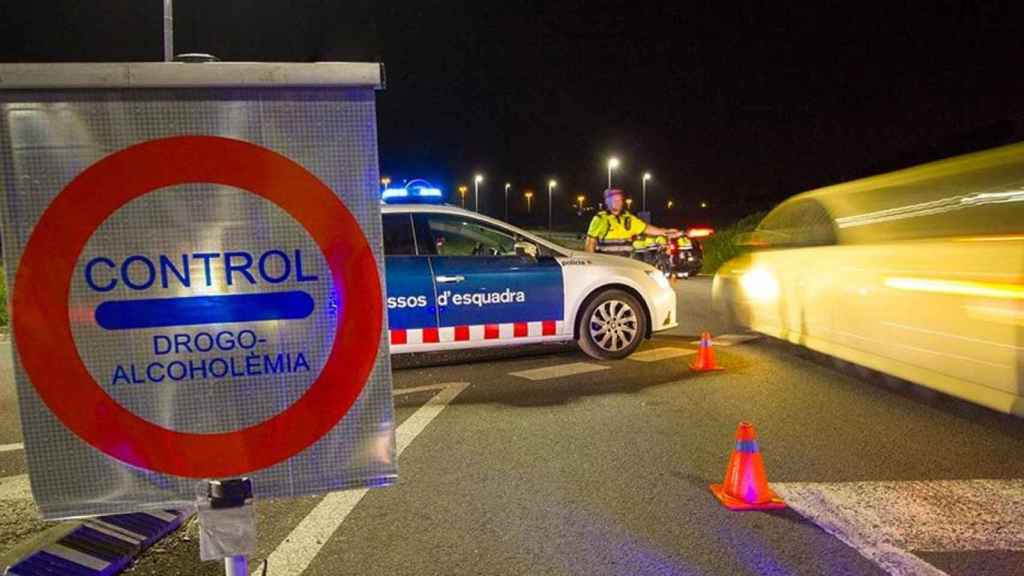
670,204
476,191
703,204
647,177
529,201
385,181
551,186
579,201
462,193
613,163
629,203
507,186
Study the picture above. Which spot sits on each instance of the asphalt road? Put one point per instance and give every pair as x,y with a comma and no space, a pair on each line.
607,471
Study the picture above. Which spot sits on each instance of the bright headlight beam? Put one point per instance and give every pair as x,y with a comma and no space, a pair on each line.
759,284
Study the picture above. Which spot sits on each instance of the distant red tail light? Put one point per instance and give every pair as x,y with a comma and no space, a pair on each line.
699,232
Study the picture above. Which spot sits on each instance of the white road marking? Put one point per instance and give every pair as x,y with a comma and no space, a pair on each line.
15,488
730,339
11,447
884,521
418,389
659,354
298,550
560,371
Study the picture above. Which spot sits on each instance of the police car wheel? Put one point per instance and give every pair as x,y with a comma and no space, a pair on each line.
612,325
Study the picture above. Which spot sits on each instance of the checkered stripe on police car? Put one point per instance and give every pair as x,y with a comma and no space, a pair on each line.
477,333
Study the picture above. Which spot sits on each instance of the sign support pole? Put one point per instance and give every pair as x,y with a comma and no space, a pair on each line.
227,524
168,30
236,566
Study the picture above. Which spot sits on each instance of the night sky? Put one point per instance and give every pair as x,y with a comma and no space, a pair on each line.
736,106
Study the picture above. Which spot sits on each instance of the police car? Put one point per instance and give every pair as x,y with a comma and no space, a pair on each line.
457,280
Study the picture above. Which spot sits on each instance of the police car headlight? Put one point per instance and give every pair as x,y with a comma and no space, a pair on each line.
659,279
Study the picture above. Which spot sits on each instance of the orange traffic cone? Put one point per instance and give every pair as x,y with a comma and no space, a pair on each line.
746,484
705,361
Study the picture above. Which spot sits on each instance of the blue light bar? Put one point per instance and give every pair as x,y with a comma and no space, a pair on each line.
416,191
395,193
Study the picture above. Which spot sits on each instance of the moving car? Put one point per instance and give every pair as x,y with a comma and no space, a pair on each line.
917,273
457,279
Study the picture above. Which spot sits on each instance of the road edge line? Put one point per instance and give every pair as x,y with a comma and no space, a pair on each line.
417,389
895,561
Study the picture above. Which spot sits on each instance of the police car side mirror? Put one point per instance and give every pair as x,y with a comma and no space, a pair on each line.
526,250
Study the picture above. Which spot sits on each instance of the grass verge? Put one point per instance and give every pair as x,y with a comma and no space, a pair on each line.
721,247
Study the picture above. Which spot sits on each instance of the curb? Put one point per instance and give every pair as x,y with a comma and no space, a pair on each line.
101,546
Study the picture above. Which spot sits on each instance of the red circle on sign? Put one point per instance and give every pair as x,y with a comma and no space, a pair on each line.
47,348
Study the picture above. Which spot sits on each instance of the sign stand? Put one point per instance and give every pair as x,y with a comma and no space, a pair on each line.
227,524
236,566
183,271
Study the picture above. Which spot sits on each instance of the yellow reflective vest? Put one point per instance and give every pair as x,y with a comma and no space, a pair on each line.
608,227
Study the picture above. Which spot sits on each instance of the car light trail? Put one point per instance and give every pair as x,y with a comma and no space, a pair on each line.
929,208
958,287
1007,238
1006,316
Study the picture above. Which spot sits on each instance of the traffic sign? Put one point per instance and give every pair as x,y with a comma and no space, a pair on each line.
51,358
197,287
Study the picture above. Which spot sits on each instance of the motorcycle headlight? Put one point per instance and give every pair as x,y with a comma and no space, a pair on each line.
659,279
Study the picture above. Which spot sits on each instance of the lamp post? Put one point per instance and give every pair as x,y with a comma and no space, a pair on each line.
507,186
529,201
629,203
476,191
462,193
579,202
613,163
551,186
385,181
647,177
669,204
703,204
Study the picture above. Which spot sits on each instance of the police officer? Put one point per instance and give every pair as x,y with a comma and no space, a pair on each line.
615,229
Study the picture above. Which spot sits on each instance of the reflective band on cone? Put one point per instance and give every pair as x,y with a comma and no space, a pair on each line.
705,361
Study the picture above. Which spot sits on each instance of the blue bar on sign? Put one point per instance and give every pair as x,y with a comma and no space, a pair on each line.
196,310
